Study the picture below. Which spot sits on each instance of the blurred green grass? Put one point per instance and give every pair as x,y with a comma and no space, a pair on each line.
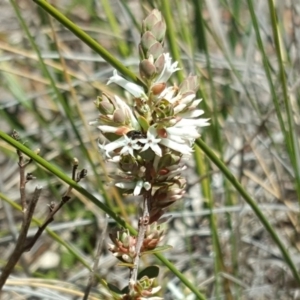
246,55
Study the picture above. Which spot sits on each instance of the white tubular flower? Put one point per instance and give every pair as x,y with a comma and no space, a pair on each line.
151,141
121,142
188,98
192,122
192,114
179,108
134,89
129,146
183,132
182,148
168,69
176,138
107,128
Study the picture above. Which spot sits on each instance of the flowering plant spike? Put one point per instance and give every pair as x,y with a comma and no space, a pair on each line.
147,140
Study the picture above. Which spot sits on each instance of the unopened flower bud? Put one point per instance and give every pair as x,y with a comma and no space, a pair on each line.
156,50
147,186
160,63
119,116
75,161
104,105
161,132
158,88
147,41
153,18
159,30
147,69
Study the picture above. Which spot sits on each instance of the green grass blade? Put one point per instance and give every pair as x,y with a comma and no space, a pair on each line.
291,135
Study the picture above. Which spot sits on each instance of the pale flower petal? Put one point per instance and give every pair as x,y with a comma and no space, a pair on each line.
107,128
192,122
134,89
168,94
179,108
151,141
190,132
115,145
196,113
176,139
168,69
188,98
195,103
156,149
182,148
129,146
138,187
147,185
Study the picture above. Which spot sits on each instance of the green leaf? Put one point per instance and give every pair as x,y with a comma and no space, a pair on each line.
144,123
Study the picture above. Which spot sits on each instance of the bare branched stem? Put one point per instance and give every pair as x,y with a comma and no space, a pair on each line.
29,244
19,248
53,209
22,166
28,208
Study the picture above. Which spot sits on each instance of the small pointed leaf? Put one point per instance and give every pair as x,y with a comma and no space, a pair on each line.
143,123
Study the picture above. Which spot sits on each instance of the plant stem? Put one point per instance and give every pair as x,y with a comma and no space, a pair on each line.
27,210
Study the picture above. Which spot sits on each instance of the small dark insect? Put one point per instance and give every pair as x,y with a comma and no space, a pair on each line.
135,134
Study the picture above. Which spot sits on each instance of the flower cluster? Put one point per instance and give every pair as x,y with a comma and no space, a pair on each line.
160,127
148,138
123,246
